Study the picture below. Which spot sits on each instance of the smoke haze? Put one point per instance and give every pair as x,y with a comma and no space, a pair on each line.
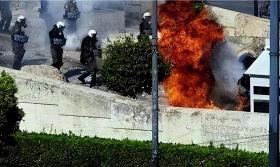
227,70
94,15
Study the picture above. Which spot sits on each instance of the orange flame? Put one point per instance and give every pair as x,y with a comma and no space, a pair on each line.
187,38
243,103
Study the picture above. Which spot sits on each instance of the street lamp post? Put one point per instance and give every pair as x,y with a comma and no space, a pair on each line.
274,85
155,145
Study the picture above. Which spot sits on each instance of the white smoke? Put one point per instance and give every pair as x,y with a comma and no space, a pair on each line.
36,31
54,13
73,42
91,18
227,70
107,17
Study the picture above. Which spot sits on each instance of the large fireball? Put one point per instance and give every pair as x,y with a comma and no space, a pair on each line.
187,38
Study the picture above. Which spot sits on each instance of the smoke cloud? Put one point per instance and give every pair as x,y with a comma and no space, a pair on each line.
91,18
227,70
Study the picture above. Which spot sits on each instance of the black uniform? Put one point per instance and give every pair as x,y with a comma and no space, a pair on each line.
146,26
18,40
89,52
6,16
71,15
57,40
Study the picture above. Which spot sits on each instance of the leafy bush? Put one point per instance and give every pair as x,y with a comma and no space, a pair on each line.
128,64
10,114
39,150
199,5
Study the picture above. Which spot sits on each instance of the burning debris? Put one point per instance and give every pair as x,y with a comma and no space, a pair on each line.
187,38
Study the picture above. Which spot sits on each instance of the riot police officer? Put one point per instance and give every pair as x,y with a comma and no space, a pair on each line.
146,25
6,16
72,13
18,39
57,41
89,52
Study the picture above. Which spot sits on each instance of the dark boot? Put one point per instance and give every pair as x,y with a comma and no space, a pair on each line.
83,77
93,79
82,80
57,65
92,84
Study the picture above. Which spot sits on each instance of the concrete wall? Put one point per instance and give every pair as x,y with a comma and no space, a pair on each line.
246,33
56,107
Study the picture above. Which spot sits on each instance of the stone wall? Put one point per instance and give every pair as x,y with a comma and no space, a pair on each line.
56,107
246,33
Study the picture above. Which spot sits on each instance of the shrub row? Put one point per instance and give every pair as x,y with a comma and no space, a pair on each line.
10,114
43,150
127,68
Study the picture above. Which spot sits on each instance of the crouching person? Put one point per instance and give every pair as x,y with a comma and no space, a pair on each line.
244,93
89,52
18,40
57,40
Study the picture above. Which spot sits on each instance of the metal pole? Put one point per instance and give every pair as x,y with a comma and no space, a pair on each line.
256,8
155,145
274,86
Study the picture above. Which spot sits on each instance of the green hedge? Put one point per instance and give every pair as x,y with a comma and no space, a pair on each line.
42,150
128,65
10,114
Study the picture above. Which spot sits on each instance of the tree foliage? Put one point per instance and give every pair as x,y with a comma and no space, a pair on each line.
199,5
10,114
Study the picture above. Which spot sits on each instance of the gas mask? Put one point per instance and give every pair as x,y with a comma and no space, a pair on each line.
23,24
